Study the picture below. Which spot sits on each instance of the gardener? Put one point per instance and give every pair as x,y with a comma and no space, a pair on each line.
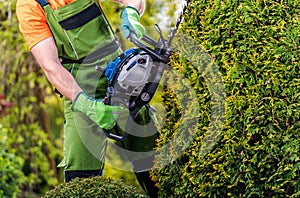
69,38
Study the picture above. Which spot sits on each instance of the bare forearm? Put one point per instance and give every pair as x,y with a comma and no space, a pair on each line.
45,53
63,81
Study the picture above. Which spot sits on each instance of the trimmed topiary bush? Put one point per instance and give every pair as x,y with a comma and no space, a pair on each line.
254,145
94,187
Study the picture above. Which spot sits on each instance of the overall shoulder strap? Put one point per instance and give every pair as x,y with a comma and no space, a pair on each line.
43,2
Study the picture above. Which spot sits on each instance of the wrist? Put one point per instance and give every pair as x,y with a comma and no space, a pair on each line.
75,94
79,101
133,8
130,10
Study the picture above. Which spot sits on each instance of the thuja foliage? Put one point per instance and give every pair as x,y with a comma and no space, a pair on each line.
250,78
95,187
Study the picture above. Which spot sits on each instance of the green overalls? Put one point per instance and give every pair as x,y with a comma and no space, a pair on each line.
85,40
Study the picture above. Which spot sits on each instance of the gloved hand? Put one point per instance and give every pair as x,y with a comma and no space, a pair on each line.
96,110
131,22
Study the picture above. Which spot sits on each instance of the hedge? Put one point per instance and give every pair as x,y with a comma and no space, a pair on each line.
94,187
242,61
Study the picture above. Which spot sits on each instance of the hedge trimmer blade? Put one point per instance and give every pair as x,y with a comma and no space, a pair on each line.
178,22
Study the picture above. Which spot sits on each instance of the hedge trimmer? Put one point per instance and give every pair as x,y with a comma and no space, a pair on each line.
134,76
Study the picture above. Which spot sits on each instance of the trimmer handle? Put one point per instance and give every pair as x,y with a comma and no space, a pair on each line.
156,55
113,136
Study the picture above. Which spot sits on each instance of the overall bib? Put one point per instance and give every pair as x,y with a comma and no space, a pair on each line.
84,39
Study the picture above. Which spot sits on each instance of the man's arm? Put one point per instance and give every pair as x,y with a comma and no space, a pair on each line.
46,54
138,4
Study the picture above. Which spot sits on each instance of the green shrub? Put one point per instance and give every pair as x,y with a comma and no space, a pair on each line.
94,187
11,176
255,46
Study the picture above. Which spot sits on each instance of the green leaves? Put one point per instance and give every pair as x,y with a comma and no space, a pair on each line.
95,187
11,176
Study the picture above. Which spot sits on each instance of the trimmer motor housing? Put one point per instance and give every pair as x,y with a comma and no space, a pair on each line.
133,78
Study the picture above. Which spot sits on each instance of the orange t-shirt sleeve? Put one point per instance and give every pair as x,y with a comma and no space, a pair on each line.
32,22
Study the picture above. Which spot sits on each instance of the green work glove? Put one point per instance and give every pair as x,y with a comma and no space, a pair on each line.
96,110
131,22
